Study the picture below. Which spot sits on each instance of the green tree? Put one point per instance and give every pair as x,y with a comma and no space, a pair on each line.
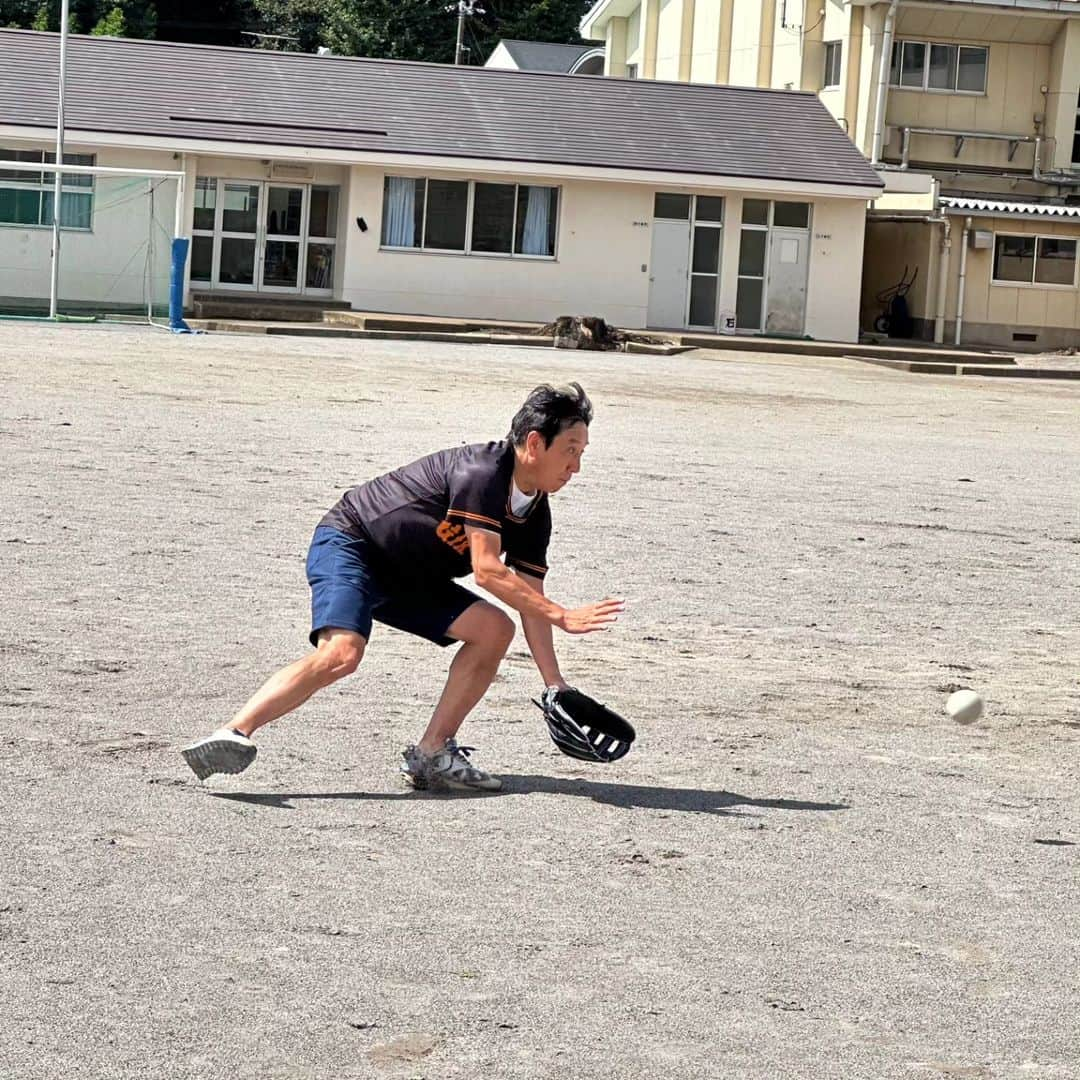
416,29
110,25
134,18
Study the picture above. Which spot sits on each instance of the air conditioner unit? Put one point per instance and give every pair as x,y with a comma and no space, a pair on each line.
980,239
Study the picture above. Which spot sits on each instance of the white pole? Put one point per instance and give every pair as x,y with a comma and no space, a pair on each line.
960,288
58,177
883,84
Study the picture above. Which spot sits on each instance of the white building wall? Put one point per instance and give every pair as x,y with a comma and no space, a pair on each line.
107,266
838,227
601,267
598,267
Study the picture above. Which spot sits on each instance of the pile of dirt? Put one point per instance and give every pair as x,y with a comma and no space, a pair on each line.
592,332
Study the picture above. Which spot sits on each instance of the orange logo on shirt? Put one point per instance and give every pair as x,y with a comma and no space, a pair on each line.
454,535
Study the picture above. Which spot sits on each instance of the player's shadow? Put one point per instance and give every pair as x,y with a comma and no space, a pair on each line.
690,800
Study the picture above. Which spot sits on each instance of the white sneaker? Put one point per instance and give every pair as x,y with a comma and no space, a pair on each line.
446,768
225,751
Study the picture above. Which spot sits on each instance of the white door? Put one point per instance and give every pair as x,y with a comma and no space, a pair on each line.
785,295
669,274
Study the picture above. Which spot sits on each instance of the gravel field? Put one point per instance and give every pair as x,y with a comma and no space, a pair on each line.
803,870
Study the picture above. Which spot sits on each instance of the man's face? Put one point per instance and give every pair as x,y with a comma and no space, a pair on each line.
555,464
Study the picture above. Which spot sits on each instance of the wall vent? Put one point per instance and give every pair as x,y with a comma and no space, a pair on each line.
1025,337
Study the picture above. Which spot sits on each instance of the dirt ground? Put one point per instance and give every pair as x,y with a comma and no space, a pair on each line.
804,869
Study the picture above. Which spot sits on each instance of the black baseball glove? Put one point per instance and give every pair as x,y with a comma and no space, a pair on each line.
583,728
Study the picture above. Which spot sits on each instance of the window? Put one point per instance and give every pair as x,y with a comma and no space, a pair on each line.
26,197
833,53
671,207
631,71
1034,260
705,259
435,215
951,69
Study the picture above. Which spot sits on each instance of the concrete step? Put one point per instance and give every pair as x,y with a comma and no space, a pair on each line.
997,370
335,329
263,307
421,323
793,346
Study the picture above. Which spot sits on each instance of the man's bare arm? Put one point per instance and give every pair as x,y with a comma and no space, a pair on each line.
538,635
493,577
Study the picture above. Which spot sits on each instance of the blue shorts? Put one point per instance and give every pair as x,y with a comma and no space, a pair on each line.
349,589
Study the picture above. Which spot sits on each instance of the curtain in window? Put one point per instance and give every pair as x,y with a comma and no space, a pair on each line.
537,217
400,212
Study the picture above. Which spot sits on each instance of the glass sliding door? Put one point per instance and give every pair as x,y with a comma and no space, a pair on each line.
321,241
283,222
258,236
239,235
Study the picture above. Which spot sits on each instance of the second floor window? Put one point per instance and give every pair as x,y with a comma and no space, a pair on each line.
833,53
928,65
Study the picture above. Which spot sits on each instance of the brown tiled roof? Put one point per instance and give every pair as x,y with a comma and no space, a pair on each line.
195,92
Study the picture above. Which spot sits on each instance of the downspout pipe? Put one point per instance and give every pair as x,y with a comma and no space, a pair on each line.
942,281
883,83
962,282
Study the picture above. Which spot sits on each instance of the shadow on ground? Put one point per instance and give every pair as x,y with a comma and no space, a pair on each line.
692,800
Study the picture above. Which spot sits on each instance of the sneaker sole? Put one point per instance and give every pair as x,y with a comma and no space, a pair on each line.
458,785
209,758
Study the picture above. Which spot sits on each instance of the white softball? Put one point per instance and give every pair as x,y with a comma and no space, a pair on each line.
965,706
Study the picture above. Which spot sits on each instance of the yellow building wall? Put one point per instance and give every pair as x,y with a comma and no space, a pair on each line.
745,42
706,43
788,21
669,44
633,39
1038,308
890,247
1019,65
1061,100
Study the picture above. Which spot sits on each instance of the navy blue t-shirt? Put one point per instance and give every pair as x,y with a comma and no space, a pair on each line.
415,516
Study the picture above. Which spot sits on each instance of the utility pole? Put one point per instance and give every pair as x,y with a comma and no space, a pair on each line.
464,8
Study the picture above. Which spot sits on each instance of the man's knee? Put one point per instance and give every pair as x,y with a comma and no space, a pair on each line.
339,654
500,631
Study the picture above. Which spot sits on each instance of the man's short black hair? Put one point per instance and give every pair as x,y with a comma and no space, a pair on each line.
550,410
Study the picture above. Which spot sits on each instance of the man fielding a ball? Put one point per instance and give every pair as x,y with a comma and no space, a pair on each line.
389,551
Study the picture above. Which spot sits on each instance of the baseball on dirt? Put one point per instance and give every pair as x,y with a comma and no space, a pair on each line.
964,706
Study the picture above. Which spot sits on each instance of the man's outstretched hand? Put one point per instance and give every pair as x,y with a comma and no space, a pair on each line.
584,620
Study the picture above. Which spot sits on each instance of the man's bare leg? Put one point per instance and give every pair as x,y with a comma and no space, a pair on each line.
338,654
487,634
230,749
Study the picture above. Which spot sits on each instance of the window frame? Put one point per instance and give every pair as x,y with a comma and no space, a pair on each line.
1033,283
1076,134
896,67
470,206
834,57
70,184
